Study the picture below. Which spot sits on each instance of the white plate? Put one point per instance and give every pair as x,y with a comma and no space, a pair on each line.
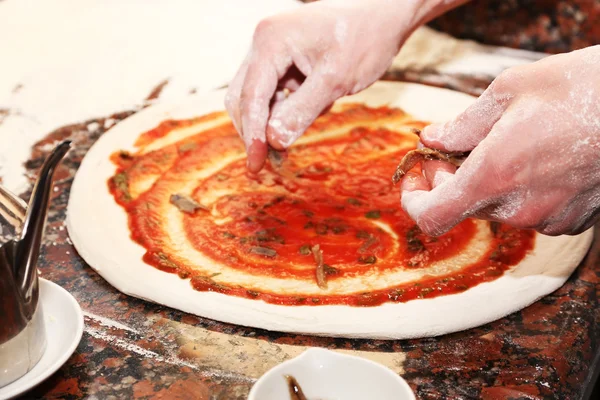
64,327
327,375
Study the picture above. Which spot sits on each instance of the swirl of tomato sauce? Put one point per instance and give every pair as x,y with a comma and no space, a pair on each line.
335,193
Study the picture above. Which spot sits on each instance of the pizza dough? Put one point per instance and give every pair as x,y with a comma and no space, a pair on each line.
107,246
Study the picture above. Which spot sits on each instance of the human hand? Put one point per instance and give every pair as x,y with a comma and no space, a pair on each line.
535,160
320,52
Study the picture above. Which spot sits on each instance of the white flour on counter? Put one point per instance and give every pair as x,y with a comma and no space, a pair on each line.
66,61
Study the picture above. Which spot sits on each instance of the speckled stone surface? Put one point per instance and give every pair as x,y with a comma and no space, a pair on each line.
135,349
551,26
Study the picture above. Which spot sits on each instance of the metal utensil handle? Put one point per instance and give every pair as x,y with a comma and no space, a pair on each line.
12,209
28,247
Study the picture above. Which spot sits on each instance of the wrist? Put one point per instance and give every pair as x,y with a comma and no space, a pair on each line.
405,16
419,12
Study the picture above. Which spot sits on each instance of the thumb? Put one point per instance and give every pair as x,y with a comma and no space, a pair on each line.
438,210
292,116
469,128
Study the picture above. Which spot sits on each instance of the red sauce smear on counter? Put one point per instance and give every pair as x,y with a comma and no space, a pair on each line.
334,192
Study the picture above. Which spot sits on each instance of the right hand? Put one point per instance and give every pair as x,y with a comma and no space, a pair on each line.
534,138
320,52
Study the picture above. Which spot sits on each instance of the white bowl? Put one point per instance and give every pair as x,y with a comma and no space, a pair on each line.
327,375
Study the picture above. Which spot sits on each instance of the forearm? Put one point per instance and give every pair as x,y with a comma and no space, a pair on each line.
426,10
401,17
421,12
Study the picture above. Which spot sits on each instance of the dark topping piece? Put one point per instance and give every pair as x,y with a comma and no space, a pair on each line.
275,157
373,214
414,243
371,240
125,155
269,235
367,259
166,261
186,204
315,169
263,251
320,272
321,229
308,213
363,235
122,184
187,147
183,274
395,294
414,157
498,253
329,270
276,200
305,250
494,227
295,389
339,229
353,201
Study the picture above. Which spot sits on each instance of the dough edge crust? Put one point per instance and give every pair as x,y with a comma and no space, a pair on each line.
108,249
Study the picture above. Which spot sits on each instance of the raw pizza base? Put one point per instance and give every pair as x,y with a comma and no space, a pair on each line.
98,228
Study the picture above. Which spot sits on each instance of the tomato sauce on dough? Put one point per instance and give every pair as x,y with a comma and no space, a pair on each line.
332,190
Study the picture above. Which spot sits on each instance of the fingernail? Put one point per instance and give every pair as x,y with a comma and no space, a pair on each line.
252,165
431,132
411,181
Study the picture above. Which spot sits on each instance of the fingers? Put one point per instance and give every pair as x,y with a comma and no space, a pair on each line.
258,88
435,215
290,118
413,181
469,128
437,172
326,109
232,97
443,198
257,154
432,211
457,194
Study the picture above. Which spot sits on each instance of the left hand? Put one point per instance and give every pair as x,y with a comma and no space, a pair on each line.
320,52
535,161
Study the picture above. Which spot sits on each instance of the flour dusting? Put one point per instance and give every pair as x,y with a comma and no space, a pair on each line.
109,323
171,359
